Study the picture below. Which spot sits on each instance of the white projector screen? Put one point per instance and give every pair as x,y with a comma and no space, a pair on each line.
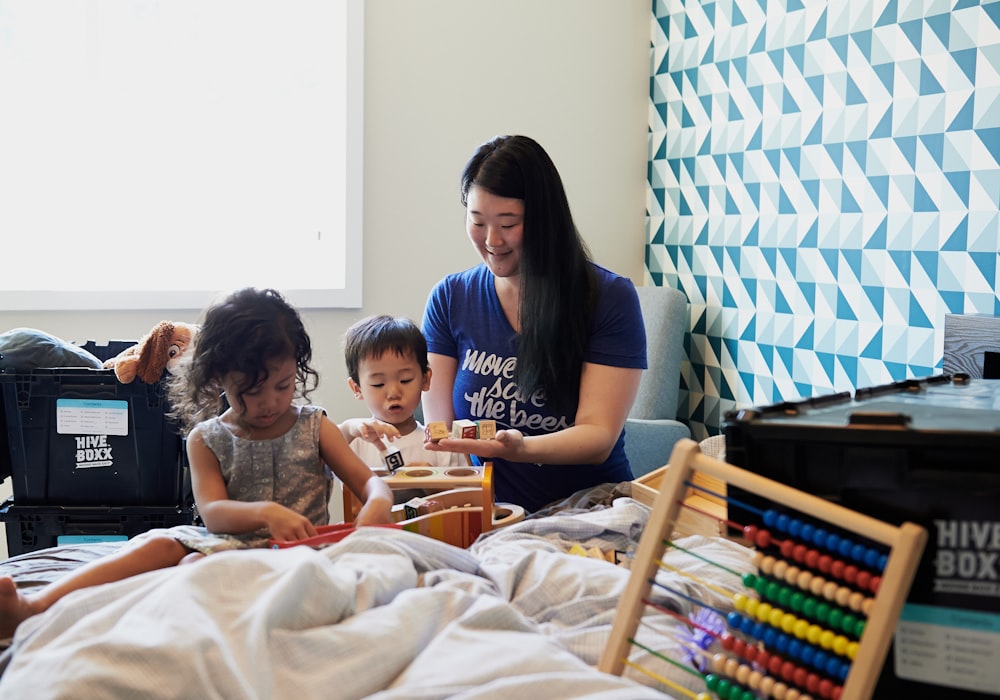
154,153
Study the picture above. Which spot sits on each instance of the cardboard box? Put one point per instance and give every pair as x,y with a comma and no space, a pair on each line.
923,450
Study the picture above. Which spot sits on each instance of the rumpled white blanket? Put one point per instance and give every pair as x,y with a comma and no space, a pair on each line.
383,614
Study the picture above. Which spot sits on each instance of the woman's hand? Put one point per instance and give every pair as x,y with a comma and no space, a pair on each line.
285,524
606,395
508,444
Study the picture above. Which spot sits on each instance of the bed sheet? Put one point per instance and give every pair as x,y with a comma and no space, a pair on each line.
383,614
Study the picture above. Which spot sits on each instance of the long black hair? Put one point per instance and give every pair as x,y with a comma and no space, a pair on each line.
558,291
243,333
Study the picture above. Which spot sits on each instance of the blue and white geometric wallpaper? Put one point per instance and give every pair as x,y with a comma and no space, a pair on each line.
823,185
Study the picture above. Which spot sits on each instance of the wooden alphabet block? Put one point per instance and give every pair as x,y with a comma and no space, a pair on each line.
487,429
436,431
463,429
393,459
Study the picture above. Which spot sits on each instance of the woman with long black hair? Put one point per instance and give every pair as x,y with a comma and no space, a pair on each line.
538,337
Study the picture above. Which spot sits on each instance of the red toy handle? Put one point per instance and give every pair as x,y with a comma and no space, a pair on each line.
326,534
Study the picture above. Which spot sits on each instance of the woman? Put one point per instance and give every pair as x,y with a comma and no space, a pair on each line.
538,338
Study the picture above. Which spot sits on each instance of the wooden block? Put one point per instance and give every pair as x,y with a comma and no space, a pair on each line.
436,430
420,506
463,428
487,429
393,459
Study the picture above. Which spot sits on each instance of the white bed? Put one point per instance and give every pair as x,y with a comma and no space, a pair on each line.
382,614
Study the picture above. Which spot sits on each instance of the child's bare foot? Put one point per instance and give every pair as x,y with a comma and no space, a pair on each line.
15,608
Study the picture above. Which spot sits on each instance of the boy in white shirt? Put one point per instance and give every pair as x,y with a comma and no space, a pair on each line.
388,370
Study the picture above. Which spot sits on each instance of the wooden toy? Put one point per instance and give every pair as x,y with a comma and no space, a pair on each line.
463,428
466,497
392,457
592,553
486,429
841,651
436,430
457,525
477,482
460,520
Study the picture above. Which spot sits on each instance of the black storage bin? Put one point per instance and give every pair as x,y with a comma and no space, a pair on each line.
30,528
78,437
927,451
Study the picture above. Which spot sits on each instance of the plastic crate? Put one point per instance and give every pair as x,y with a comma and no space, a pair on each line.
30,528
78,437
924,450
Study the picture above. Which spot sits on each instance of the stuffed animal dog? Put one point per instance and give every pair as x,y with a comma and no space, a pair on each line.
168,346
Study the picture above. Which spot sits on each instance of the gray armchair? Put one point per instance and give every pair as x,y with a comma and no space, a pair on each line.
652,427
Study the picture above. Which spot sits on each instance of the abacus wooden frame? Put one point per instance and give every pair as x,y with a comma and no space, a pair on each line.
905,544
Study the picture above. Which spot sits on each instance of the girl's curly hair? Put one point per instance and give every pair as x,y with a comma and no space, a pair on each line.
241,334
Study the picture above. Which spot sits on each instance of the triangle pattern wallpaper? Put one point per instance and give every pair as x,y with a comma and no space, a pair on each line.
824,186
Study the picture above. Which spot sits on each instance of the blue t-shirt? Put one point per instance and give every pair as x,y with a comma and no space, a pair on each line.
463,319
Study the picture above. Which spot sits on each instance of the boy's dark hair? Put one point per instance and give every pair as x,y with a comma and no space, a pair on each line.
558,292
243,333
374,336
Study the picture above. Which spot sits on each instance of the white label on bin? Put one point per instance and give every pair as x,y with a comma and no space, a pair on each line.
91,417
949,647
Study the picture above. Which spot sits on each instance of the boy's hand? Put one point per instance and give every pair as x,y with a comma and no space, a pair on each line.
374,431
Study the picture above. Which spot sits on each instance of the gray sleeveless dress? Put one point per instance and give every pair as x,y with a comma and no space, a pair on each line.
287,470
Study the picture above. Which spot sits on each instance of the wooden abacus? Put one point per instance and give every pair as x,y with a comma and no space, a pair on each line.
732,678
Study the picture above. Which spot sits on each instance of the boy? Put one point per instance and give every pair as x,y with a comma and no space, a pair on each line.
387,368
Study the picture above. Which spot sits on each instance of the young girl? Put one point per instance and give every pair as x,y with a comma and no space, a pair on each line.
257,465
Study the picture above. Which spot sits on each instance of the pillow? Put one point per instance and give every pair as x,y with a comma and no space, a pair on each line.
27,348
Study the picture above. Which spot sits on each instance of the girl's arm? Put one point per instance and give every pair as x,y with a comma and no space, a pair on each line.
436,400
224,515
606,397
356,476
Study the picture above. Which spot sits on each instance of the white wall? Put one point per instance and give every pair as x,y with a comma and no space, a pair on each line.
442,76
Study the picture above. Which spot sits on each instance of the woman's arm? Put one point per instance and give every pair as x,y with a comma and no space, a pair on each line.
436,400
606,397
224,515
